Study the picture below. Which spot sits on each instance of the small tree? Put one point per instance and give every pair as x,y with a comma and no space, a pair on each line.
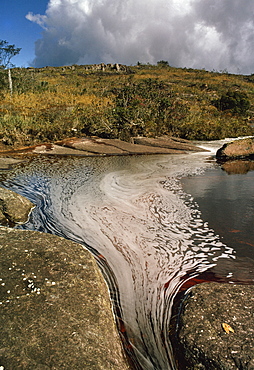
7,52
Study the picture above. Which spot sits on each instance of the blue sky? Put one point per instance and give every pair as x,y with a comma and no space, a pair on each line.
205,34
16,29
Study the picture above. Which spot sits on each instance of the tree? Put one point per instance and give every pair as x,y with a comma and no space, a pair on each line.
7,52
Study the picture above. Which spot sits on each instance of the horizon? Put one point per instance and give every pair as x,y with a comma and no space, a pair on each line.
136,65
197,34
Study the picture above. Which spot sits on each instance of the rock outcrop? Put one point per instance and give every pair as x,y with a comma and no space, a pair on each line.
14,208
238,149
55,311
204,343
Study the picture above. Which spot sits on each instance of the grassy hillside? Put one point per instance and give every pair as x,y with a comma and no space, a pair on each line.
49,104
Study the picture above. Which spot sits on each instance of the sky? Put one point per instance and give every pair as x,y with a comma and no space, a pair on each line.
216,35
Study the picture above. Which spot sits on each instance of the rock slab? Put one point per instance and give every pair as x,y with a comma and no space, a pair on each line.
204,343
95,146
55,311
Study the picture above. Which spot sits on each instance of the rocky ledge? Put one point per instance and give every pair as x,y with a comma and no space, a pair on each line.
205,341
238,149
94,146
55,311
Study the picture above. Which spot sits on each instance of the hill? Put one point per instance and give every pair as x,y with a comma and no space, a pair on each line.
116,101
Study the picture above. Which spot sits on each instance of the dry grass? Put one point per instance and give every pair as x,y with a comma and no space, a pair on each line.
52,103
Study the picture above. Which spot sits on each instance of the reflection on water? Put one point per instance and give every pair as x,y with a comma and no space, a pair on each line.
239,167
148,235
226,200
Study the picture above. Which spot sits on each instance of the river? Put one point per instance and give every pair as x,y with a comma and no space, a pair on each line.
146,232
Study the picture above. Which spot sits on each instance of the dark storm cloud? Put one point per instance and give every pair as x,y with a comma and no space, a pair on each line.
210,34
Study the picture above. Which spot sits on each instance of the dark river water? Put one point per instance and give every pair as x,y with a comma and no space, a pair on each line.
153,223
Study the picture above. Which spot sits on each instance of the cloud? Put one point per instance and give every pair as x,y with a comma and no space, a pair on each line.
37,18
210,34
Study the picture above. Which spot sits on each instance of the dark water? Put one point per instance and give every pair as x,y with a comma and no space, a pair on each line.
147,233
227,203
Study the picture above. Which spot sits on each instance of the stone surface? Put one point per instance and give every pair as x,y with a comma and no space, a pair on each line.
243,148
55,311
204,343
13,208
115,147
90,146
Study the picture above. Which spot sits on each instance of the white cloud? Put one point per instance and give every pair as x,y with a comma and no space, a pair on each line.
37,18
211,34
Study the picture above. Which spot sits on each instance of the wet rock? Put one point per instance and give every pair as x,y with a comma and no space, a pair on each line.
55,311
238,149
204,343
14,208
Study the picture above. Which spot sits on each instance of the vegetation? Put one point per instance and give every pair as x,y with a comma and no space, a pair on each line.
235,101
52,103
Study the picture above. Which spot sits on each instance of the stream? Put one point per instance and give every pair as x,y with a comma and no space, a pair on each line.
146,232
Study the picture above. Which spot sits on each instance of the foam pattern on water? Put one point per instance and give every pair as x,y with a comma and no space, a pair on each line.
133,212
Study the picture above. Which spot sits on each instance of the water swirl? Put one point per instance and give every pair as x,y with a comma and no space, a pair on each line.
147,234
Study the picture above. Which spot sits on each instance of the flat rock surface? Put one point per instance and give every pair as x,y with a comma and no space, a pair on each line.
204,342
114,147
55,311
168,142
88,146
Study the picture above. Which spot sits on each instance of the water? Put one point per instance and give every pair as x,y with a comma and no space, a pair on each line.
147,234
226,202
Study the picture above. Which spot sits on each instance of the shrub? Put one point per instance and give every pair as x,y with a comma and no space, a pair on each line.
235,101
163,63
